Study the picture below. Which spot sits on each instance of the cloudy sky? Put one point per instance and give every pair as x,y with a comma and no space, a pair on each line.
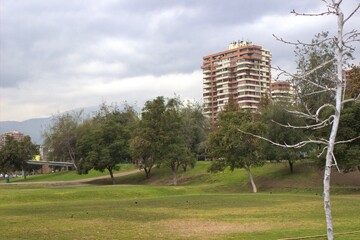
60,55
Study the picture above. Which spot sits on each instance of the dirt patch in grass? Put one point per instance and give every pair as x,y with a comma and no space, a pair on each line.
351,179
194,229
346,179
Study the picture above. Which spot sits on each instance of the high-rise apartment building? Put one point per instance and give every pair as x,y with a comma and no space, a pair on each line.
243,72
15,134
282,91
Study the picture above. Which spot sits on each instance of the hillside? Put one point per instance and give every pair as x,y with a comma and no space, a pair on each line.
270,177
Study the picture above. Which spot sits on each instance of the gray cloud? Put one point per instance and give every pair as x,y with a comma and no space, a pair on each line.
57,44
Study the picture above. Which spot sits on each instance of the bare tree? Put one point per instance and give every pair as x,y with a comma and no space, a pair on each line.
342,43
61,137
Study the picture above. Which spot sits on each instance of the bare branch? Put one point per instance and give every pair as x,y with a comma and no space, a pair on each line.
347,141
351,14
278,75
351,36
298,42
324,106
303,76
297,145
333,156
322,152
334,77
313,14
351,48
302,115
357,99
322,124
316,115
321,91
307,109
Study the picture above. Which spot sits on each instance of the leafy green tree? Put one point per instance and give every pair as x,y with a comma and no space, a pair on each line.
9,156
229,148
146,144
26,151
14,154
61,137
309,57
347,153
352,89
175,152
276,117
195,127
105,144
168,134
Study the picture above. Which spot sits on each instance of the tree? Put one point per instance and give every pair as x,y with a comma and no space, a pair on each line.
228,148
347,154
352,88
309,56
195,127
274,116
147,141
168,134
105,144
14,154
26,151
10,158
335,104
61,137
175,152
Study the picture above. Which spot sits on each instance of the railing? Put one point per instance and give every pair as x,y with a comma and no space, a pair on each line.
50,163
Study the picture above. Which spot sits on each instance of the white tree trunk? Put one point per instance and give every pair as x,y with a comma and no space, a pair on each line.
72,157
330,151
251,179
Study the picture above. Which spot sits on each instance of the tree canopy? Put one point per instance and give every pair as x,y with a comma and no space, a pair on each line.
275,117
230,148
62,135
14,154
105,143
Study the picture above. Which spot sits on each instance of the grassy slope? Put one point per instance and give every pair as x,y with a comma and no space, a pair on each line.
273,177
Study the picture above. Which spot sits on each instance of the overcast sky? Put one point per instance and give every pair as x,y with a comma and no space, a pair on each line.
60,55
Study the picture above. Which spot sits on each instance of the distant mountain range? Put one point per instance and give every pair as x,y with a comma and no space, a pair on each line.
35,127
32,127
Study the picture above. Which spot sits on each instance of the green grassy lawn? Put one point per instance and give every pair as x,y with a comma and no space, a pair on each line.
167,212
204,206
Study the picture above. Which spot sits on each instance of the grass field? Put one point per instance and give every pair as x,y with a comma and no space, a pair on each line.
205,206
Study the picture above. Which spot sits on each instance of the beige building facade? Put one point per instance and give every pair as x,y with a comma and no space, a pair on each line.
242,72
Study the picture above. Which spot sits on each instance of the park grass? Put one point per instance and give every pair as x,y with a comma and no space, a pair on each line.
167,212
203,206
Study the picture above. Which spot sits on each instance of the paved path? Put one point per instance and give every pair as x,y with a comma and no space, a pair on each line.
73,182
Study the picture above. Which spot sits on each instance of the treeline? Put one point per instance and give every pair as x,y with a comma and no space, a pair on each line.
167,133
173,134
